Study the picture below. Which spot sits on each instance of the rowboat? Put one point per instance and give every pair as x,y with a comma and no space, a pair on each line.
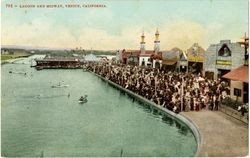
60,86
83,99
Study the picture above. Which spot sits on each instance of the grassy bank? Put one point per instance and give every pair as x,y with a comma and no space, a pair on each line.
13,56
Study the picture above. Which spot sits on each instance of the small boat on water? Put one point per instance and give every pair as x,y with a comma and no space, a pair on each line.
83,99
60,86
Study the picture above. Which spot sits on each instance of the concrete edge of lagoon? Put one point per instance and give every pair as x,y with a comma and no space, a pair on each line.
179,116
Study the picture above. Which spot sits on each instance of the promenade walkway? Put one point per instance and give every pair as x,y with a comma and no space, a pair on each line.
221,134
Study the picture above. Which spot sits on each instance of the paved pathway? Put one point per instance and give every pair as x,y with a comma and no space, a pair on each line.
221,134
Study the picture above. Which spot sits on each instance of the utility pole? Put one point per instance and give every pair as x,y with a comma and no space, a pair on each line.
246,45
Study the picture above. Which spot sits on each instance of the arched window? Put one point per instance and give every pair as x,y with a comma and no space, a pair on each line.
143,62
157,65
224,51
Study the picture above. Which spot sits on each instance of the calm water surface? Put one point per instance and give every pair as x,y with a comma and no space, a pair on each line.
38,120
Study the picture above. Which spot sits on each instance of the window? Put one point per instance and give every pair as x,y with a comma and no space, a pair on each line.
143,62
237,92
224,51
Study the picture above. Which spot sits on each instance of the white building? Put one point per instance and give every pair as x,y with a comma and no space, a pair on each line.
150,57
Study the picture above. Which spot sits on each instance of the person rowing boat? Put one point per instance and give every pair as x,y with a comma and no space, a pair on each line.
83,99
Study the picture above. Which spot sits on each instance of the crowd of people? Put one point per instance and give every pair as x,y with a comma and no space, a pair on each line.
172,90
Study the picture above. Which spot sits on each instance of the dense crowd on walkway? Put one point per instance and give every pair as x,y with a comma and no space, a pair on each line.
174,91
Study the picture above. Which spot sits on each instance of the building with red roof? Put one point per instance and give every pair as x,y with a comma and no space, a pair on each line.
239,83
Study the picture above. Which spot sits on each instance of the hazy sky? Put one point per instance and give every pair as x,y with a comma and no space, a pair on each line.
119,25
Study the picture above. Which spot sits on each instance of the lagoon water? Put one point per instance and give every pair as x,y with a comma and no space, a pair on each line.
38,120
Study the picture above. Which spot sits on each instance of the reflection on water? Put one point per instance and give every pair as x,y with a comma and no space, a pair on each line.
38,120
170,120
167,119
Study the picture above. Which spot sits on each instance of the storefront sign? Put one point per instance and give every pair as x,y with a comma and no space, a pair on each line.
199,59
223,62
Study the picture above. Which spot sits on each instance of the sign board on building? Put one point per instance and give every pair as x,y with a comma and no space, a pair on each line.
223,62
199,59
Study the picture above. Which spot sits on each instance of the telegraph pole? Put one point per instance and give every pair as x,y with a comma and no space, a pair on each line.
246,45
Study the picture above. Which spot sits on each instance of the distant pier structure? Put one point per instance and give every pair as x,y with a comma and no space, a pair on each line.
60,63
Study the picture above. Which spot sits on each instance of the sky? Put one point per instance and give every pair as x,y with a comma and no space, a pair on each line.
119,25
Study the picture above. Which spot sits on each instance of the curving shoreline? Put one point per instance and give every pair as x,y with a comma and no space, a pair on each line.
193,127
